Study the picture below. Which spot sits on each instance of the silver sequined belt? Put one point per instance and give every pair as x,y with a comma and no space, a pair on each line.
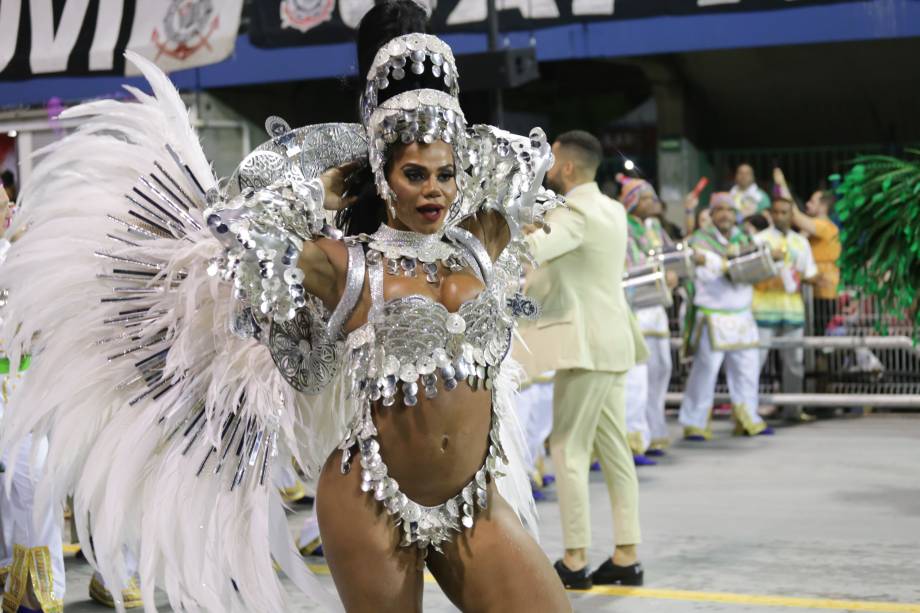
422,526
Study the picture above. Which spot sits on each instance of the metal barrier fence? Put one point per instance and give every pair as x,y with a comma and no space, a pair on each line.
847,360
883,370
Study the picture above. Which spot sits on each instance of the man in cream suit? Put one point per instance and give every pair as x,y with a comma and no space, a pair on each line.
589,336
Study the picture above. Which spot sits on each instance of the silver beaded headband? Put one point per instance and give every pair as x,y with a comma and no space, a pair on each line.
421,115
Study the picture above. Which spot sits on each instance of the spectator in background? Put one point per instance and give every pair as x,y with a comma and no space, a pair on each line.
751,198
8,179
824,238
778,306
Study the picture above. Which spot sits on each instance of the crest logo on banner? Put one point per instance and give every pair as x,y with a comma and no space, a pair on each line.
305,15
186,28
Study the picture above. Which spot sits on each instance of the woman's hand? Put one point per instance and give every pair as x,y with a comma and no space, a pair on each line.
699,258
335,189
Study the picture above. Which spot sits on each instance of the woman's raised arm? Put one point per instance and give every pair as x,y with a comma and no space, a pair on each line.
280,245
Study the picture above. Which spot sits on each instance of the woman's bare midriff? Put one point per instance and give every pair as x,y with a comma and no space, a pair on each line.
435,448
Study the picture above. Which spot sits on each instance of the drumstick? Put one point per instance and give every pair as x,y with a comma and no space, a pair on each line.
700,186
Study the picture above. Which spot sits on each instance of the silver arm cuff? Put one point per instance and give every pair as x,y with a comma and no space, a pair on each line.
508,170
263,232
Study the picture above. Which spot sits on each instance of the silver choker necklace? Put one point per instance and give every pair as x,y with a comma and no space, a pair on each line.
405,252
394,244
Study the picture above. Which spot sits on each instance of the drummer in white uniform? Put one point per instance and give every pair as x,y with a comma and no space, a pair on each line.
32,561
647,383
722,329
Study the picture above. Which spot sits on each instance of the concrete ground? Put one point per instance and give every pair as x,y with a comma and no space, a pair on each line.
822,516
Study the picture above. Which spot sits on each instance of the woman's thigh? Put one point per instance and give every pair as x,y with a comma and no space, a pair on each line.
498,567
372,573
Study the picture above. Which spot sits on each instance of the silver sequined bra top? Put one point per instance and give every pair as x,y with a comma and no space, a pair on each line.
410,345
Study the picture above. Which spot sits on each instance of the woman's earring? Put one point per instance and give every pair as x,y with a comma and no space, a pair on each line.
391,208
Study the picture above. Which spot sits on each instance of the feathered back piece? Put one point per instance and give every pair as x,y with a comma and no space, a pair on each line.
879,208
163,424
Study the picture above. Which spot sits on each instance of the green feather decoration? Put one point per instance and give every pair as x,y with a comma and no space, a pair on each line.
878,202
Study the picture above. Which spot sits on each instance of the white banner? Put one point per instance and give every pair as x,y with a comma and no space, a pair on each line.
90,36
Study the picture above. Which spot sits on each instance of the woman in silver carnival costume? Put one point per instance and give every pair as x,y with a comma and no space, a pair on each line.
197,333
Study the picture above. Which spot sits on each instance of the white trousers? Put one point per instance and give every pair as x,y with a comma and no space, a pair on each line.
33,548
742,370
659,377
646,388
637,426
535,414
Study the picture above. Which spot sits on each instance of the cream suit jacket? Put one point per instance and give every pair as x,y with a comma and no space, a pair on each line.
585,321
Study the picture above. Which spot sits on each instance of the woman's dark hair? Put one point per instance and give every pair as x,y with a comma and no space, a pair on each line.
384,22
369,211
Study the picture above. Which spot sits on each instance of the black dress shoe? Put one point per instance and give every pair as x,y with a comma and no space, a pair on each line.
573,579
609,573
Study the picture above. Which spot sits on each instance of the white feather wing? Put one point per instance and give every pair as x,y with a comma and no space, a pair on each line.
162,423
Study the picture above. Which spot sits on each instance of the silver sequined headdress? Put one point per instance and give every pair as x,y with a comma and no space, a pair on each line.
414,115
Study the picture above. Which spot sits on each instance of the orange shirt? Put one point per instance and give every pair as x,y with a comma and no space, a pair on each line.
825,246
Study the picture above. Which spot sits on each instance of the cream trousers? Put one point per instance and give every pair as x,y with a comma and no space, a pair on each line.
589,419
